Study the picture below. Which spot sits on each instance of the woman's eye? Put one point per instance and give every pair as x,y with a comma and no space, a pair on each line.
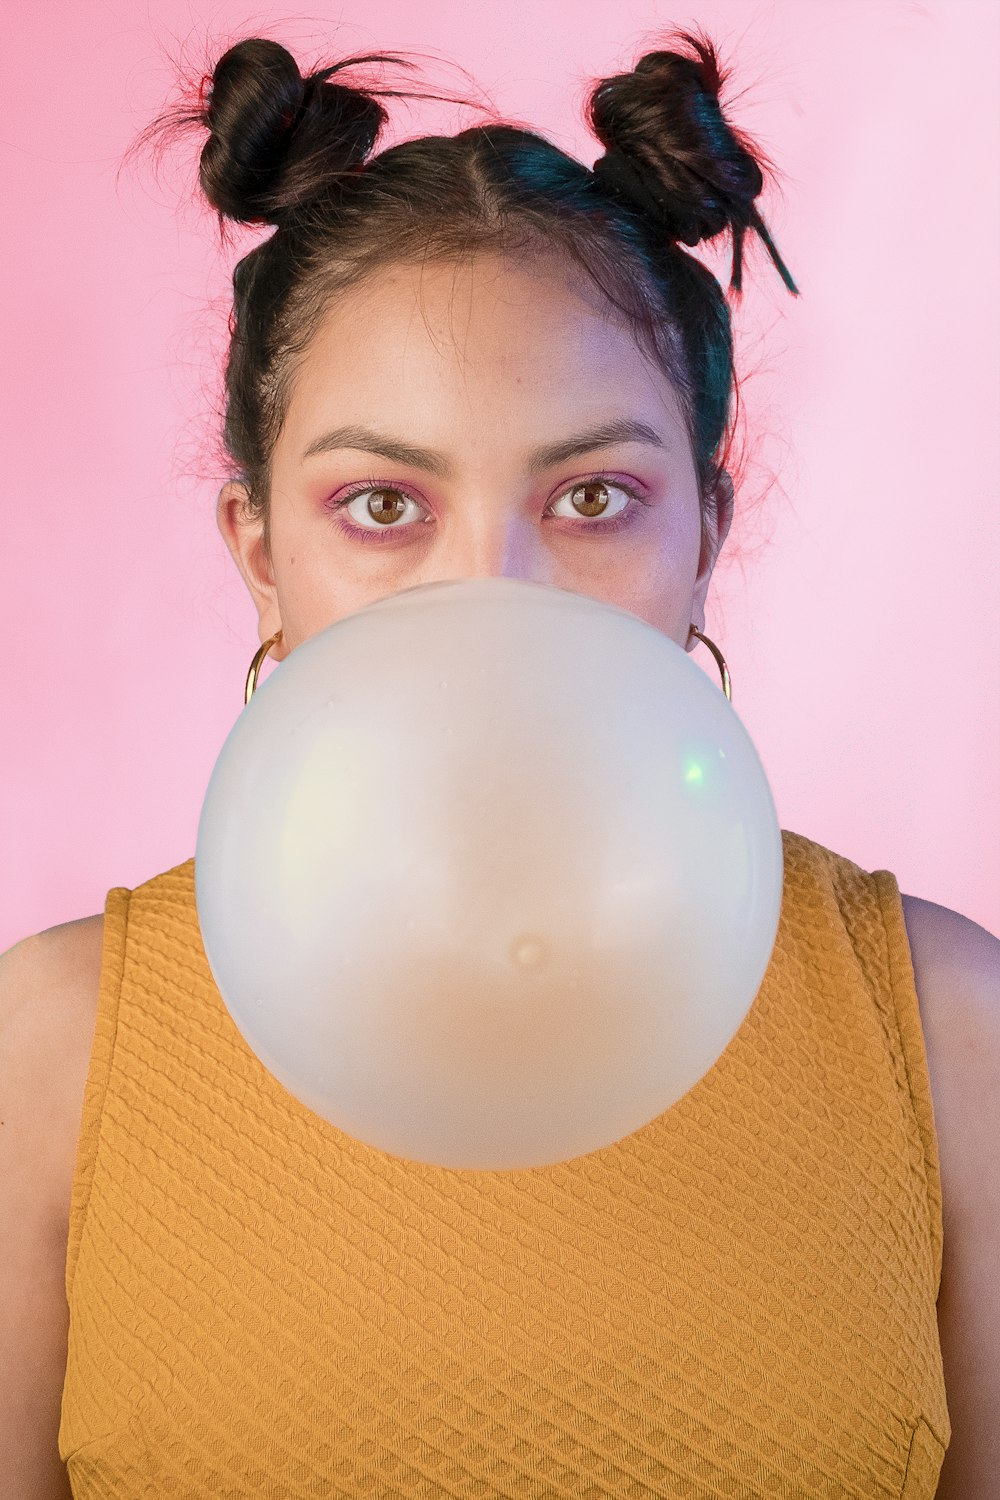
375,511
383,505
590,498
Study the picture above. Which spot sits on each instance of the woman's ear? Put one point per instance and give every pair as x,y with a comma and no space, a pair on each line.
724,502
720,504
243,534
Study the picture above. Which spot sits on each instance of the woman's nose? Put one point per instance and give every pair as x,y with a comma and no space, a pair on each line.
482,547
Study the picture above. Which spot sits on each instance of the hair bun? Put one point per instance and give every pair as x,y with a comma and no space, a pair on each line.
672,151
278,139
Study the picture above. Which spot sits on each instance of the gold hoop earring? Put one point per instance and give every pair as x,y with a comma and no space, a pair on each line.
255,667
727,682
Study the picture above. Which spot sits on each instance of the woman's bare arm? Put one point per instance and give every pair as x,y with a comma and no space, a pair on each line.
48,1004
956,966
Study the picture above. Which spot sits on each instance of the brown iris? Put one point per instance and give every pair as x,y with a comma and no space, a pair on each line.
592,507
386,513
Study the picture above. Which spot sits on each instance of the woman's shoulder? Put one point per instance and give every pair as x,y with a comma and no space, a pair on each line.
50,981
49,984
956,971
956,967
81,938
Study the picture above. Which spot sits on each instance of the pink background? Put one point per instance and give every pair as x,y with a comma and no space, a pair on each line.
859,610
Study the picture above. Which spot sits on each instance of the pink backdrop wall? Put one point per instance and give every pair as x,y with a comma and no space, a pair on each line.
860,614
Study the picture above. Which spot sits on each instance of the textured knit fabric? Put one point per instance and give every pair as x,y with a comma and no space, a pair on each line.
737,1300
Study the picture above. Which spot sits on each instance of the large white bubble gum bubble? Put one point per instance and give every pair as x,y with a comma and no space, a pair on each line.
488,874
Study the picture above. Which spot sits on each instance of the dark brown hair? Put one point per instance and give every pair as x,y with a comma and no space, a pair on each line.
296,152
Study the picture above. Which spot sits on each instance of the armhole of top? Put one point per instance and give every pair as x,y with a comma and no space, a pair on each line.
906,1005
98,1072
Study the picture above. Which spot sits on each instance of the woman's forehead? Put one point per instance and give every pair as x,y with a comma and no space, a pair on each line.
522,336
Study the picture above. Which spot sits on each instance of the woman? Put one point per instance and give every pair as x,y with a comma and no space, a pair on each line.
464,356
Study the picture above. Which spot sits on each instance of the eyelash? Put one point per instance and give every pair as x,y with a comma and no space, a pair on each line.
383,534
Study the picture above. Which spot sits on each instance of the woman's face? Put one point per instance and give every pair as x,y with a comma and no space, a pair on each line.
478,413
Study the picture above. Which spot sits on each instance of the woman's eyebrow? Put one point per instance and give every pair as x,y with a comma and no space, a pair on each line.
618,430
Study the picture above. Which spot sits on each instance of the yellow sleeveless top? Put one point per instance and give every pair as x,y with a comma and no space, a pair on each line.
738,1300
